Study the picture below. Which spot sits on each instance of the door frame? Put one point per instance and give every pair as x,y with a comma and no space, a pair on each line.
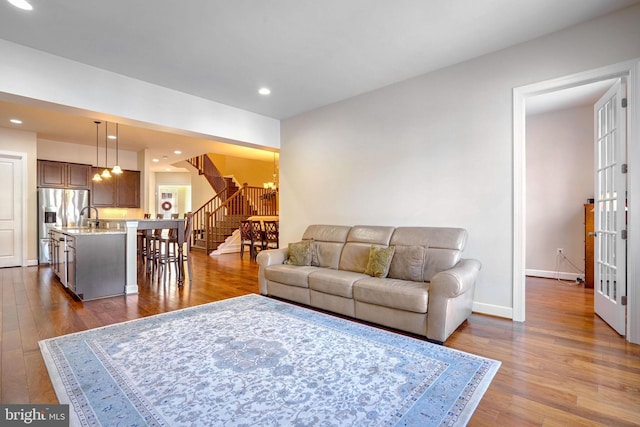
630,69
22,157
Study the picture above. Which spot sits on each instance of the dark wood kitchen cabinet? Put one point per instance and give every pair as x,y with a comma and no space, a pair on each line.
63,175
103,193
119,191
128,189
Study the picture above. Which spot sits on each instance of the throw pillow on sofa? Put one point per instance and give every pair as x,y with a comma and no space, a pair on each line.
408,263
379,261
299,253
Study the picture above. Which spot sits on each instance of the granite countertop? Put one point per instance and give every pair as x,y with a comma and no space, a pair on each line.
89,231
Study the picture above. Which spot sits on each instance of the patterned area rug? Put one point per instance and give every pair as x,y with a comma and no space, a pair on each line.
255,361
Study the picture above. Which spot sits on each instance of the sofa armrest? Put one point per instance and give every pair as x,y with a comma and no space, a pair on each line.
451,298
266,258
272,256
455,281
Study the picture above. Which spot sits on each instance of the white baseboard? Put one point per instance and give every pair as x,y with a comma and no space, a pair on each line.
563,275
492,310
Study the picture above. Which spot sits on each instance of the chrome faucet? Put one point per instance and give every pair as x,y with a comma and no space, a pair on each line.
87,208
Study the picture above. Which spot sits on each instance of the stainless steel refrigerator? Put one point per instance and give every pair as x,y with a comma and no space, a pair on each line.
58,207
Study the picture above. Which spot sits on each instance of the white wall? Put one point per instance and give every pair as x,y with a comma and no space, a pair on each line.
201,190
560,173
437,149
173,178
86,154
63,84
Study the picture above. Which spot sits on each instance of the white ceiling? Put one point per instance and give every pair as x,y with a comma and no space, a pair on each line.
310,53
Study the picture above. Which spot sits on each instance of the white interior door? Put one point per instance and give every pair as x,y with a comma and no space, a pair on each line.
610,248
10,211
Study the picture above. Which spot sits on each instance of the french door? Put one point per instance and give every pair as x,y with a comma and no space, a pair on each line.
610,248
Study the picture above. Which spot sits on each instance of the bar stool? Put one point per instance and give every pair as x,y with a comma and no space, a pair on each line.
171,253
154,248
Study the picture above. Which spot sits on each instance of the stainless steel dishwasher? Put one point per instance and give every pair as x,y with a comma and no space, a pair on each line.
70,264
58,256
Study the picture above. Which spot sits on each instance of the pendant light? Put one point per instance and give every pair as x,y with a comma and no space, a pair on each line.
116,168
97,176
105,172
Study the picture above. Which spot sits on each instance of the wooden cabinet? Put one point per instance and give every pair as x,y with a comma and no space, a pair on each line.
103,193
128,189
119,191
78,176
63,175
588,245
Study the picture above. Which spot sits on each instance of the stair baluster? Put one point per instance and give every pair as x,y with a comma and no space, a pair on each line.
219,217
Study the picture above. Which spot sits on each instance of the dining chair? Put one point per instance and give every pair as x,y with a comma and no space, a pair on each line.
257,238
271,235
245,238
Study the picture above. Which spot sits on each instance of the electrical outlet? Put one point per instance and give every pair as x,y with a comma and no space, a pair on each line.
559,251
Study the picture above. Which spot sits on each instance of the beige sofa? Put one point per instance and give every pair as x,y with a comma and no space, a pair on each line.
428,289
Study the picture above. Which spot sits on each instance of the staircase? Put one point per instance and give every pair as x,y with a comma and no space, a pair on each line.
217,219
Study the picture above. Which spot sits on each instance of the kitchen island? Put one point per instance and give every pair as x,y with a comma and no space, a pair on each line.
131,227
104,257
90,262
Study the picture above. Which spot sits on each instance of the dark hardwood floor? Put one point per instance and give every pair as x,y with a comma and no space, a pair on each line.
562,367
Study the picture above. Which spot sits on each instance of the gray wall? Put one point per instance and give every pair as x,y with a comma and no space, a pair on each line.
560,179
437,149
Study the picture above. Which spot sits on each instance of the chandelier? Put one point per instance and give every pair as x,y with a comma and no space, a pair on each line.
272,186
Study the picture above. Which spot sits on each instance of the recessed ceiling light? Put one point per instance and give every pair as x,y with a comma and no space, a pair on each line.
111,137
16,121
177,152
155,160
21,4
264,91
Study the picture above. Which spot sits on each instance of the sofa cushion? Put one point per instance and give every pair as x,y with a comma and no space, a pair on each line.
327,233
379,260
334,282
354,257
408,263
328,241
300,253
289,274
326,254
445,245
355,254
394,293
437,237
